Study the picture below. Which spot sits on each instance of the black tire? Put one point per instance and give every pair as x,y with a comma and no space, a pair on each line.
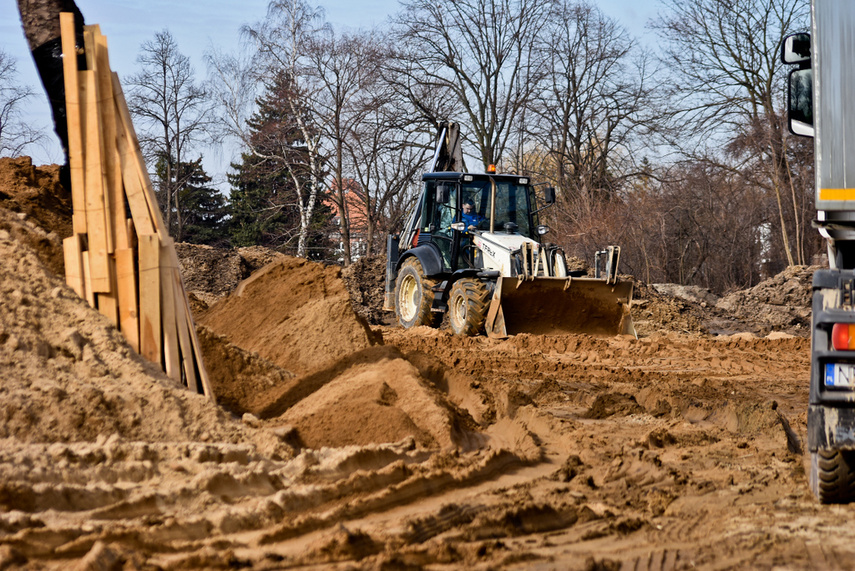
832,476
414,296
467,306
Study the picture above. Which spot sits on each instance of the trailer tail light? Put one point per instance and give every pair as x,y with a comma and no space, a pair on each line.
843,336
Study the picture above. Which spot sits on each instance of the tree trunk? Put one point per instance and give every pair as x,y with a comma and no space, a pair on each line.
40,19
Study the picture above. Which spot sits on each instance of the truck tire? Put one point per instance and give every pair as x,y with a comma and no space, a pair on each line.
467,306
832,476
414,296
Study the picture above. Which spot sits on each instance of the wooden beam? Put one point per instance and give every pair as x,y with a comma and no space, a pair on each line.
127,290
149,263
97,223
112,162
72,110
171,357
136,159
73,252
134,193
203,383
87,279
183,325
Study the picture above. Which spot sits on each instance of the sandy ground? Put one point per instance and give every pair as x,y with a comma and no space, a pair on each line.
341,442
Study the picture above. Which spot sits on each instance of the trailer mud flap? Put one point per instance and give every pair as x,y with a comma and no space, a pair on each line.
555,306
831,428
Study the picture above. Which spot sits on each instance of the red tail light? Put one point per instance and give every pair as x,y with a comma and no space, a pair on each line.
843,336
416,238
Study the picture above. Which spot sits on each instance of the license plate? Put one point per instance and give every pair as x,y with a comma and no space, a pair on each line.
839,375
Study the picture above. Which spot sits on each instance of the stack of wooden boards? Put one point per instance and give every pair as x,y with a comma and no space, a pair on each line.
125,267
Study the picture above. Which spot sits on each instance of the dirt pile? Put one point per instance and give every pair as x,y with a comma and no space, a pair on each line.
375,396
782,301
68,375
243,381
294,313
656,312
212,273
41,204
366,282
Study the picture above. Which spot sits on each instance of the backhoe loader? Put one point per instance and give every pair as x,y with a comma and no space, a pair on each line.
472,247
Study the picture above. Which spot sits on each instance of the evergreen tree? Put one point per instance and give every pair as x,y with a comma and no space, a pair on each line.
204,208
201,219
264,202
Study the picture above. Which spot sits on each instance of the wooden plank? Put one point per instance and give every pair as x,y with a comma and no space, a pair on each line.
203,382
149,291
73,251
132,234
72,110
182,324
96,207
108,303
108,306
127,289
171,357
89,45
112,163
133,185
89,34
136,157
87,279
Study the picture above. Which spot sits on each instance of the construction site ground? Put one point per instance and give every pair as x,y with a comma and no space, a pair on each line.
341,441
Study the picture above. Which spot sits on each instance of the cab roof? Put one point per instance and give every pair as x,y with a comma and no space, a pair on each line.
513,178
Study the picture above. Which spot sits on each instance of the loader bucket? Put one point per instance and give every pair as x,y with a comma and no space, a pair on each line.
553,306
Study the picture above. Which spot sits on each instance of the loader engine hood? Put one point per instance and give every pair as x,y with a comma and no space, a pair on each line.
497,247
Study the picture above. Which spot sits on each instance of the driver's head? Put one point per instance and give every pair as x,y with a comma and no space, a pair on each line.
468,207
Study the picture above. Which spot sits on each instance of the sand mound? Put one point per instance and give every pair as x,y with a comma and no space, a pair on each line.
242,381
294,313
366,281
212,273
655,312
41,207
68,375
783,301
376,397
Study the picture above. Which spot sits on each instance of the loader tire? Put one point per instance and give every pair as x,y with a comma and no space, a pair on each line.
467,306
832,476
414,296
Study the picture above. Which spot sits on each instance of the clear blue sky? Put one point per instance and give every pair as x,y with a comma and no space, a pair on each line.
196,26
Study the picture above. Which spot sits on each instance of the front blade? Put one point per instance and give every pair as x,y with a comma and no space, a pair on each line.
554,306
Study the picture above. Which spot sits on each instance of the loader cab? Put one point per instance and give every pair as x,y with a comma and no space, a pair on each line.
442,213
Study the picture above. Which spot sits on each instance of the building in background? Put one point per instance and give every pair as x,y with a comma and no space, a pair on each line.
357,216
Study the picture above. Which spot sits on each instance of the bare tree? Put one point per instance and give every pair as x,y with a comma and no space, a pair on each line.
345,67
172,110
386,156
15,133
478,54
280,45
728,81
595,98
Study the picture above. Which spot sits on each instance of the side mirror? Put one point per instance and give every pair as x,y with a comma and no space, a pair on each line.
549,195
443,194
795,49
800,102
